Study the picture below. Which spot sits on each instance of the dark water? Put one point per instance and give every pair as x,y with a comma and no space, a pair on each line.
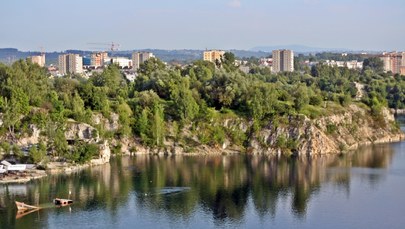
361,190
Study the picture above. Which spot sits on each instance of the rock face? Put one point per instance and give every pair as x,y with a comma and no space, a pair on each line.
330,134
294,134
31,139
299,135
110,124
81,131
104,156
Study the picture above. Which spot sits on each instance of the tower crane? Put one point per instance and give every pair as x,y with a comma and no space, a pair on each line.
113,46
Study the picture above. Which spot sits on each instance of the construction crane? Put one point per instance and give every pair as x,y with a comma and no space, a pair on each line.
112,46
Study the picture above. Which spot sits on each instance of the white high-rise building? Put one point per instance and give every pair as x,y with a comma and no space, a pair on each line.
140,57
70,63
283,60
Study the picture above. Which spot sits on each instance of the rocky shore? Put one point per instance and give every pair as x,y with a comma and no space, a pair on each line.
22,177
330,134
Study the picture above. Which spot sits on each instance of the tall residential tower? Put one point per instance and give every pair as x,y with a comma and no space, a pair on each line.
283,60
140,57
70,63
392,61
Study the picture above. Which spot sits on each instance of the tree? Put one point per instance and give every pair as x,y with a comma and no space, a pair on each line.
37,153
373,63
14,109
300,97
125,114
151,65
228,61
78,108
158,125
184,104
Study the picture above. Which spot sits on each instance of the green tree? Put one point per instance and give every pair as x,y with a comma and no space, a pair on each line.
373,63
158,125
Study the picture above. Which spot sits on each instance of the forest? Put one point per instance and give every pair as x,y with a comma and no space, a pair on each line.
164,102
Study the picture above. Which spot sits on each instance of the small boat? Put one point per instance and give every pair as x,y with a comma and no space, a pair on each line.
25,207
62,202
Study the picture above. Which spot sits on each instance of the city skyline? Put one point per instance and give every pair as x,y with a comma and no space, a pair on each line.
203,24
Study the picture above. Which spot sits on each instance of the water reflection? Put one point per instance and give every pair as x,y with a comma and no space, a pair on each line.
177,186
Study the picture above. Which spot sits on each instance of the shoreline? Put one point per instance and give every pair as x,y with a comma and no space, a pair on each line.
28,176
67,168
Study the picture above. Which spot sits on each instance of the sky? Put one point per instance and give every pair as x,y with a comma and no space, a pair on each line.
58,25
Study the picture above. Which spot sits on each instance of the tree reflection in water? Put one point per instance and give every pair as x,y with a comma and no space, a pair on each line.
223,186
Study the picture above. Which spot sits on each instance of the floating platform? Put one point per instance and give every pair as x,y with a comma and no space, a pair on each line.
62,202
21,206
24,209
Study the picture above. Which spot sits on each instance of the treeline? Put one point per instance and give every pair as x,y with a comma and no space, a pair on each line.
178,102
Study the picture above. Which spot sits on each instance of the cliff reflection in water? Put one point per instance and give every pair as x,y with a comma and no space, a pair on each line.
223,186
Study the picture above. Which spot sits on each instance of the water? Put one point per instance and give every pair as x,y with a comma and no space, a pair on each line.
362,190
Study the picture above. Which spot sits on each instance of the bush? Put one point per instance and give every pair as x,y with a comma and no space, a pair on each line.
331,128
84,152
315,100
37,153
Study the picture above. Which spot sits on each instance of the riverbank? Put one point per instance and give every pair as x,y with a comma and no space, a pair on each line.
22,177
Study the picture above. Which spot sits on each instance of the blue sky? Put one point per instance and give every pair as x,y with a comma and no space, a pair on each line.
199,24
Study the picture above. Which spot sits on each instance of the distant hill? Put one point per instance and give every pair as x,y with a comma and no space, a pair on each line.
298,49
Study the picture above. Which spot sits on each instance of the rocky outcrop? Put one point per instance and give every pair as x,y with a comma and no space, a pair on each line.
110,124
104,156
330,134
297,134
81,131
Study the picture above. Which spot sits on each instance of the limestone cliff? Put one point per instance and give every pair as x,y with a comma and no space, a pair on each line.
298,135
329,134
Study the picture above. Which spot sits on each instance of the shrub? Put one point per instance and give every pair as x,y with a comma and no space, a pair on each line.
84,152
331,128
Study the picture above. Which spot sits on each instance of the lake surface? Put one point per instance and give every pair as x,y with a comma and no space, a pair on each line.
362,190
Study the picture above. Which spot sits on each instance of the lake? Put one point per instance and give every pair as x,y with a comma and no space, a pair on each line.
364,189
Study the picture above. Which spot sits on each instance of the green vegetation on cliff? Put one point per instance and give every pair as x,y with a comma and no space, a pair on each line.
187,105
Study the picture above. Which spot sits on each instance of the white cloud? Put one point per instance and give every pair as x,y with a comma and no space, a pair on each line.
235,3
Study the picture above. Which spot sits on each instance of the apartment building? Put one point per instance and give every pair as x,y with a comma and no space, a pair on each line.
70,63
98,59
283,60
393,61
140,57
39,59
213,55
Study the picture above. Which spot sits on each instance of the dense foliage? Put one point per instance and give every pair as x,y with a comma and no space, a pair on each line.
164,100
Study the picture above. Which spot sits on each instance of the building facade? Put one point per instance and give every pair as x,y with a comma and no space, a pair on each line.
213,55
402,71
393,61
122,62
283,60
70,64
139,57
98,59
40,60
352,64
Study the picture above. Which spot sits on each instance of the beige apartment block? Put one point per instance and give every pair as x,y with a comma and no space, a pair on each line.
140,57
392,61
40,60
70,64
213,55
283,60
98,59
